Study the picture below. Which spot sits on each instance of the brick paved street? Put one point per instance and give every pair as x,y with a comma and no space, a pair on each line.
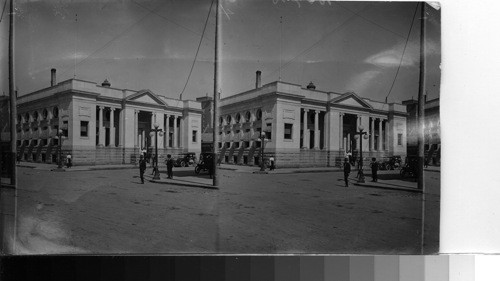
111,212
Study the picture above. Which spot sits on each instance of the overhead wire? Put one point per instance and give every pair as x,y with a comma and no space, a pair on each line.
3,10
324,37
197,50
169,20
112,39
403,54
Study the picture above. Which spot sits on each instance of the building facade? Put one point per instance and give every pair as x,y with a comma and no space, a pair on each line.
432,129
103,125
306,127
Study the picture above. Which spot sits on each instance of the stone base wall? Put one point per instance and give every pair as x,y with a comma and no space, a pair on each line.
299,158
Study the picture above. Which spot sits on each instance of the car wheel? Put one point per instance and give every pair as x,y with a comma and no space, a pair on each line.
183,164
197,169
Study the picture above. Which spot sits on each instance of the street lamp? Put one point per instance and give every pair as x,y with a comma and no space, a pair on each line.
59,160
155,169
262,139
361,135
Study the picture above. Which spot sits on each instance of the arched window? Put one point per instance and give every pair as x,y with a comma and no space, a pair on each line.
228,119
27,117
238,118
35,116
55,112
221,121
248,116
19,118
259,114
45,113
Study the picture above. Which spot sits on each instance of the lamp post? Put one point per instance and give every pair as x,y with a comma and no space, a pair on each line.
59,160
361,135
262,139
155,163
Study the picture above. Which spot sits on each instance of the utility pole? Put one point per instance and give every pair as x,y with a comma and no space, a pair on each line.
13,99
421,101
215,130
420,116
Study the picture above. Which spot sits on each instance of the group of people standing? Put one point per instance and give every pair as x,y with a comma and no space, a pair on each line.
169,162
347,170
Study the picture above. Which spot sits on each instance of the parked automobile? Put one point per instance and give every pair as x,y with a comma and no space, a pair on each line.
410,167
185,159
206,159
390,163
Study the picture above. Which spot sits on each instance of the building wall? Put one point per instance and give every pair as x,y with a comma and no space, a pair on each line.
285,103
79,101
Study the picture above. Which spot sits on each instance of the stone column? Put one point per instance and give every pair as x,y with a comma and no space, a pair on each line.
136,129
112,127
167,130
349,144
305,136
120,128
181,131
358,122
386,135
372,133
152,137
379,148
174,141
101,126
341,133
316,129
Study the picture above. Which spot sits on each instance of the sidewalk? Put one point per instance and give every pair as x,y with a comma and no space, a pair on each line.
392,181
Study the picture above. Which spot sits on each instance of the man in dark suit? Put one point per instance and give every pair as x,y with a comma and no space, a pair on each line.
170,166
347,171
142,168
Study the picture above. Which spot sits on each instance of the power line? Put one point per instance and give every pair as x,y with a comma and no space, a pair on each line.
169,20
113,39
197,50
368,20
317,42
402,55
3,10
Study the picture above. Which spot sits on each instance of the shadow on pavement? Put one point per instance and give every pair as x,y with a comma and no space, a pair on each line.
395,177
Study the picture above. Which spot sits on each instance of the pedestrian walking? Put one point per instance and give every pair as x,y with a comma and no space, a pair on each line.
349,157
209,162
271,167
142,168
170,166
69,160
347,171
374,166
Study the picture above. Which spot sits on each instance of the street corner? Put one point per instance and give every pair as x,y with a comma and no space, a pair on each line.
188,181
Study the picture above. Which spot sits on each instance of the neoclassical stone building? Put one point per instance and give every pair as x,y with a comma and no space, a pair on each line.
102,124
306,127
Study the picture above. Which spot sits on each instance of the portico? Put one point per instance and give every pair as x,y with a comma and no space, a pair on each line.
104,125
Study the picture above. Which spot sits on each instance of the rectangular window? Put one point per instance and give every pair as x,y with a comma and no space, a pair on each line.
400,139
220,145
237,144
246,144
195,136
288,131
258,144
269,130
84,128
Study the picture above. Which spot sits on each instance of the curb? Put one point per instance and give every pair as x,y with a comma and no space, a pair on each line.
200,185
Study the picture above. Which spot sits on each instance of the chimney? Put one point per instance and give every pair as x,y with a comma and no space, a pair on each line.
311,86
52,77
257,79
106,83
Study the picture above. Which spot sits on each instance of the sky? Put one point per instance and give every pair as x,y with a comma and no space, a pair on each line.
140,44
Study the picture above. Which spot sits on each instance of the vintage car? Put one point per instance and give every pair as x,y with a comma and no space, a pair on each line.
185,159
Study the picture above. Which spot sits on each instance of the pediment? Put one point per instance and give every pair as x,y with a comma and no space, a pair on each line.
145,96
350,99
